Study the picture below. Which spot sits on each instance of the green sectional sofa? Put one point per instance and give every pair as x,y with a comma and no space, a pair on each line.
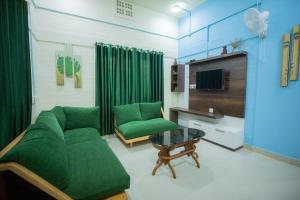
64,155
136,122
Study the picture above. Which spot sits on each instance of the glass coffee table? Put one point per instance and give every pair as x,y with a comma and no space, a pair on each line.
167,141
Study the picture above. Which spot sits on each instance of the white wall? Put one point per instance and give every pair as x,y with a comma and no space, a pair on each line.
52,28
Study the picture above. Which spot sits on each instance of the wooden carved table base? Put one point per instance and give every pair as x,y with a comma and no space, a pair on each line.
164,156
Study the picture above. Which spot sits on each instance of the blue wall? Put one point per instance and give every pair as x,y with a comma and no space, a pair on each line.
272,113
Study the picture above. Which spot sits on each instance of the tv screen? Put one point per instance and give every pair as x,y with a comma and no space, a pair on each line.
210,80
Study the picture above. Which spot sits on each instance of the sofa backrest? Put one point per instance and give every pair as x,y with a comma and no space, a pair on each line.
48,119
136,112
59,113
77,117
127,113
82,117
44,153
150,110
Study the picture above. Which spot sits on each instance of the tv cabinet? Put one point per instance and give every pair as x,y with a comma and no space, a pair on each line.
222,130
231,100
228,136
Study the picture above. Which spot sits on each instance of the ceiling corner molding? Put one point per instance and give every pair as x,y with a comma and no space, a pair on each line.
36,6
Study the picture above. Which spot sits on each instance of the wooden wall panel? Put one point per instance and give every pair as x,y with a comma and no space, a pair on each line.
231,100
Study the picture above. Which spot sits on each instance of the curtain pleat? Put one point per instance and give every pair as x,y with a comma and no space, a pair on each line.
125,76
15,73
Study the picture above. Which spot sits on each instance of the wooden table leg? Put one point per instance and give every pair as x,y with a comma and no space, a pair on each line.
156,167
164,158
172,170
191,146
196,154
195,159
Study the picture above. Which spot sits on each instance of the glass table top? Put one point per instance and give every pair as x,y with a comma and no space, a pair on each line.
177,136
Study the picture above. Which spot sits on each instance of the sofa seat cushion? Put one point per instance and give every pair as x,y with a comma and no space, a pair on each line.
95,171
81,135
136,129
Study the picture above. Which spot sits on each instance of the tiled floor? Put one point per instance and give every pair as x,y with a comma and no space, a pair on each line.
224,175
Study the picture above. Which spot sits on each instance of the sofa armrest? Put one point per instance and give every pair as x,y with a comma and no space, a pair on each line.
34,179
28,175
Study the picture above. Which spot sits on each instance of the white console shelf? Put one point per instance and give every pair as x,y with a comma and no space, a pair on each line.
229,136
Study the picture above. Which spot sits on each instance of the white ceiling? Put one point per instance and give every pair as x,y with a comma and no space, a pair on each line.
164,6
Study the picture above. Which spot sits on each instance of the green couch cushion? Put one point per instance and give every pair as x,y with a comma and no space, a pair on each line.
95,172
82,117
150,110
78,135
127,113
48,119
42,152
60,116
136,129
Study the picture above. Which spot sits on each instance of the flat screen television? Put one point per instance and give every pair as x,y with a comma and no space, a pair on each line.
210,80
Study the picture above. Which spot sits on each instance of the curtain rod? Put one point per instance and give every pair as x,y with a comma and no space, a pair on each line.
126,47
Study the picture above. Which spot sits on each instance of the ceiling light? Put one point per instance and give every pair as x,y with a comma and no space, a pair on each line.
176,8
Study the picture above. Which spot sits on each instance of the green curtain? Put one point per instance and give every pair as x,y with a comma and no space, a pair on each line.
126,75
15,72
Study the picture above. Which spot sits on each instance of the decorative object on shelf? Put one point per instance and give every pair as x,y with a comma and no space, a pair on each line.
68,65
175,62
295,53
285,59
192,86
60,70
224,50
235,43
256,21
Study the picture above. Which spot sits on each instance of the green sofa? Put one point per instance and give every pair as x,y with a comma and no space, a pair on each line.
136,122
64,148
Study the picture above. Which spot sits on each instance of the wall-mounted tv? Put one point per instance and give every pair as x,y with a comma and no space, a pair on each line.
210,80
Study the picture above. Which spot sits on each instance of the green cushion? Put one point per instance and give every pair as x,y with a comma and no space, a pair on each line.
75,136
60,116
136,129
150,110
95,172
127,113
80,117
42,152
48,119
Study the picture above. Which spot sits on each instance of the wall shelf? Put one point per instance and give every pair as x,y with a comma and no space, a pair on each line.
219,57
175,110
177,78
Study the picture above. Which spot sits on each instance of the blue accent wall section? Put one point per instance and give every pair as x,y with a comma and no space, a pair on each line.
272,120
